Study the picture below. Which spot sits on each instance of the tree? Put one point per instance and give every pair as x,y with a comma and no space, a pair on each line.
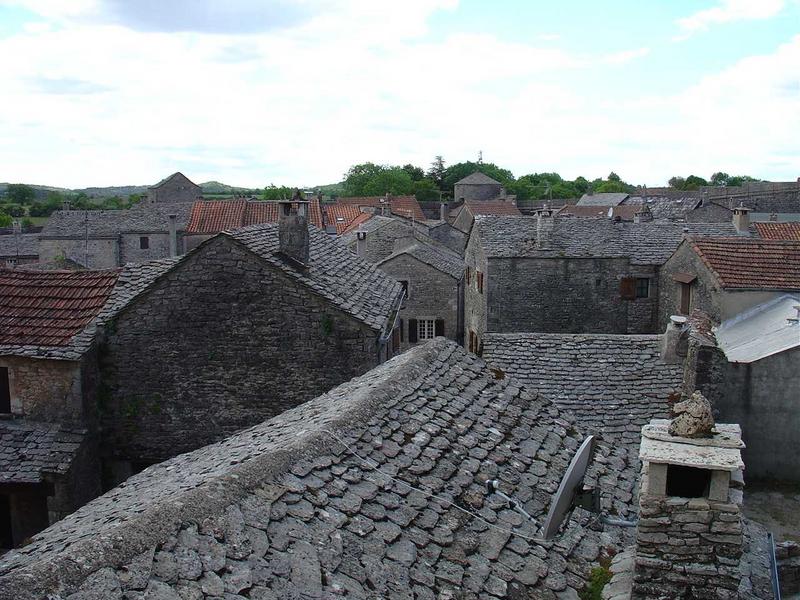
720,179
581,185
614,177
414,172
610,187
272,192
45,208
437,171
19,193
426,190
458,171
5,219
692,182
676,182
15,210
369,179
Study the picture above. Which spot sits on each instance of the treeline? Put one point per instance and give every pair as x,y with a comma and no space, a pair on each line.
719,179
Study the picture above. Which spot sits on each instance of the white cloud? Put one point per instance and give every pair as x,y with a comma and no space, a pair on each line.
728,11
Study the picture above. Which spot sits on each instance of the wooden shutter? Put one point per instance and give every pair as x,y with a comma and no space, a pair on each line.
412,331
467,276
627,288
5,391
439,327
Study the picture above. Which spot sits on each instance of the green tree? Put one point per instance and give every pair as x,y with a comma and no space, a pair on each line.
19,193
581,185
436,172
46,207
614,177
426,190
611,187
414,172
15,210
272,192
5,219
677,182
369,179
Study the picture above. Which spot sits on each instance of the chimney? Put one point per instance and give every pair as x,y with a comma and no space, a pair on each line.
689,534
741,219
544,227
773,217
65,205
293,239
644,215
670,340
361,243
173,235
443,211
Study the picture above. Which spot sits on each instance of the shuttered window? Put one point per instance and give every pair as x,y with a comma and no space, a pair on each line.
412,331
627,288
439,327
5,391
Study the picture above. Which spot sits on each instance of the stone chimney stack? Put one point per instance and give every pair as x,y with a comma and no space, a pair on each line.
65,205
670,340
689,534
443,211
644,215
361,243
293,240
741,219
173,235
544,227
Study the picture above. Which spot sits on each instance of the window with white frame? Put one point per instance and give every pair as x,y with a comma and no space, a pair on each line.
426,329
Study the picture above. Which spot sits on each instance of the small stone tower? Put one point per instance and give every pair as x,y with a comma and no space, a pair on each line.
689,535
293,229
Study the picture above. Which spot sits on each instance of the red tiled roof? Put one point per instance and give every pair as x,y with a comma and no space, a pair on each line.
493,207
213,216
341,215
779,231
47,308
363,217
752,263
403,206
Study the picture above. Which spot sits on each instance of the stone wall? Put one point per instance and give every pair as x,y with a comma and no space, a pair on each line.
687,548
45,390
432,294
222,342
178,189
449,236
705,295
158,242
475,302
381,242
567,295
103,253
788,557
483,191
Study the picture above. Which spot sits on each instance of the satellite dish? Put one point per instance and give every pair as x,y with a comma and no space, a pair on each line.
570,486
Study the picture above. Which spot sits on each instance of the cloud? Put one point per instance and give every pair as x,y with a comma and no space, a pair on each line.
626,56
64,85
728,11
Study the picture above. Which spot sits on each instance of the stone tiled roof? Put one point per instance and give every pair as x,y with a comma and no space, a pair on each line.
145,217
649,243
26,245
613,384
357,287
82,315
602,199
213,216
492,207
437,256
403,206
369,225
373,490
477,178
47,308
622,212
752,263
779,231
667,208
342,216
29,450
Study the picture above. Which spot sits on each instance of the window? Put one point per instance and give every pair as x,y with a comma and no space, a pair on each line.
479,280
473,342
642,287
426,329
5,391
686,298
468,273
144,242
627,288
404,283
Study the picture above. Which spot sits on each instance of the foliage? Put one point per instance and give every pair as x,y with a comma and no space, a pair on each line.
46,207
19,193
272,192
458,171
437,171
15,210
426,190
27,223
415,173
610,187
692,182
598,579
5,219
723,179
369,179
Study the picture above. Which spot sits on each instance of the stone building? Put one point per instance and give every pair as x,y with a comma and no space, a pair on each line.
175,189
431,276
248,324
405,207
554,275
723,276
210,217
463,216
19,249
378,236
477,187
375,489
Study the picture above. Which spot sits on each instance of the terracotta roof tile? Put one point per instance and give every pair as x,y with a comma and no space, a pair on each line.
342,215
213,216
779,231
402,206
47,308
493,207
357,222
752,263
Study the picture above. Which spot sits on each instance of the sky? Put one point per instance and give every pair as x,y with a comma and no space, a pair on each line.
294,92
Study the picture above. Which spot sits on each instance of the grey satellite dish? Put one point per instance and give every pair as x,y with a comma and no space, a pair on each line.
569,488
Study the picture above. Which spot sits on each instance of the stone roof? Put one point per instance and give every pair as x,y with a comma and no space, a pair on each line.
357,287
48,308
73,311
145,217
373,490
24,245
477,178
751,263
603,199
648,243
492,207
213,216
613,384
779,231
625,213
369,225
175,175
29,450
435,255
402,206
667,208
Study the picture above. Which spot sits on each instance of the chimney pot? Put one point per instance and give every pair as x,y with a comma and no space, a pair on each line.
443,211
293,237
741,219
671,338
361,243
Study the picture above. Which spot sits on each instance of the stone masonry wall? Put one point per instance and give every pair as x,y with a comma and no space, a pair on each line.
130,252
688,548
484,191
222,342
380,243
103,253
705,295
45,390
431,294
560,295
